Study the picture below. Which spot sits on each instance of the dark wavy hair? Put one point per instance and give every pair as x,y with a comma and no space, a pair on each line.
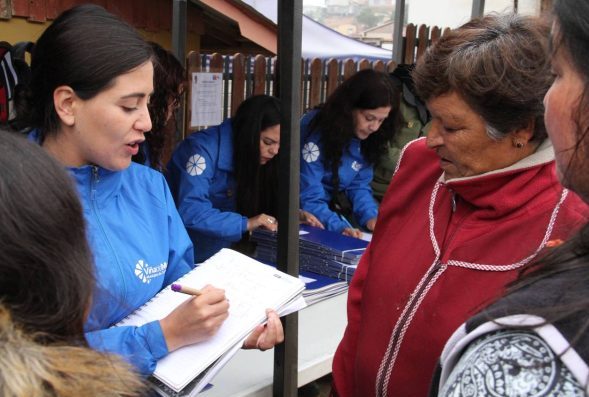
499,65
84,48
367,89
255,183
46,271
169,79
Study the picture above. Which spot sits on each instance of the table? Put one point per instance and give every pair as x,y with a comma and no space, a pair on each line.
250,372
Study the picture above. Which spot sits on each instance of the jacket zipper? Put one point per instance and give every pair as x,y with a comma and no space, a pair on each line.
93,186
381,388
414,300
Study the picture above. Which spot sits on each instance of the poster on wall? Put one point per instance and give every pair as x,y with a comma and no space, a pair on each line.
207,99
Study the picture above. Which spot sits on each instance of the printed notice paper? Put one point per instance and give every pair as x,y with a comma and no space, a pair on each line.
250,286
206,101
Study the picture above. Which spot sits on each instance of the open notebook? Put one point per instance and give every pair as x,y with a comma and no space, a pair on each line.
250,286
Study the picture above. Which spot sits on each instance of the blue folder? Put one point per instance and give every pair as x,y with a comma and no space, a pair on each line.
320,251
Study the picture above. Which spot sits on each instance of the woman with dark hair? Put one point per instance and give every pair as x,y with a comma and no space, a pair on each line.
46,284
468,207
224,178
341,142
535,340
92,77
168,87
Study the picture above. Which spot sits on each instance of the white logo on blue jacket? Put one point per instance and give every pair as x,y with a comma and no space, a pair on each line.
196,165
146,273
356,166
310,152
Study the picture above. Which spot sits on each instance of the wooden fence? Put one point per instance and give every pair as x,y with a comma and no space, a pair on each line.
246,75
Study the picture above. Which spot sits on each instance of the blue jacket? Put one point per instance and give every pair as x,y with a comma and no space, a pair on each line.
139,246
202,182
355,175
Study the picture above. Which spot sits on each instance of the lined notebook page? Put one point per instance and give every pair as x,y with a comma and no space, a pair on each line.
251,288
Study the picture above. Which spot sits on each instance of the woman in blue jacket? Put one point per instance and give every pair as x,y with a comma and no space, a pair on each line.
92,77
340,143
224,178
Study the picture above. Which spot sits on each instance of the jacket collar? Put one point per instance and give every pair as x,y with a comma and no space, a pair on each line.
226,146
96,184
501,191
93,182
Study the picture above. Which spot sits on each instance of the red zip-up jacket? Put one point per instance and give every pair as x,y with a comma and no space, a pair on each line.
440,251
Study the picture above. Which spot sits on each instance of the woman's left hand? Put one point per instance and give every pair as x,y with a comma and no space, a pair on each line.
370,224
266,336
309,219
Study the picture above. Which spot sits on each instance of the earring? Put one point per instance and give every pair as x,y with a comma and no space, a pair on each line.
519,144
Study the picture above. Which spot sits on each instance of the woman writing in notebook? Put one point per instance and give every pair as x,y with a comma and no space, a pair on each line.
224,178
92,77
340,143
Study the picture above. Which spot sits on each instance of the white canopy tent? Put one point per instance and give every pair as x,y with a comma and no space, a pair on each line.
319,41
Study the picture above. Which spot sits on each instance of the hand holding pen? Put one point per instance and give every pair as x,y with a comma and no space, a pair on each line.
263,337
196,319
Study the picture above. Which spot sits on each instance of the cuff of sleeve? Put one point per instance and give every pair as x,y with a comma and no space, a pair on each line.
369,216
243,224
154,337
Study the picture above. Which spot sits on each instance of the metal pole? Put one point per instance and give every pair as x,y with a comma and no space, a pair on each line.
398,23
478,8
290,17
179,12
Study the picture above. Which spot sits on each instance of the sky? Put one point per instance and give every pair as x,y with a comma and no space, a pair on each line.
453,13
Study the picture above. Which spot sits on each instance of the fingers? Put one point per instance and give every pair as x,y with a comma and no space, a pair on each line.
352,232
252,340
370,224
269,222
274,333
310,219
266,336
211,295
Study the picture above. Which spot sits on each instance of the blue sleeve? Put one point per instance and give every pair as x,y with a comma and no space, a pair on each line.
314,196
190,174
140,346
360,194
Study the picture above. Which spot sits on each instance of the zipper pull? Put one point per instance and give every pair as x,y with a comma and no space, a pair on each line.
95,173
95,180
453,202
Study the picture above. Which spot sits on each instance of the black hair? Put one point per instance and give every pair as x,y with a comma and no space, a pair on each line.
572,37
169,78
84,48
367,89
46,271
255,183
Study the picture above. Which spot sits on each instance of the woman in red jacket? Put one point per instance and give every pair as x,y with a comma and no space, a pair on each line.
535,340
467,208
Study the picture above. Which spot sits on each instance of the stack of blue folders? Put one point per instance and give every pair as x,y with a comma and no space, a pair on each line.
319,287
320,251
